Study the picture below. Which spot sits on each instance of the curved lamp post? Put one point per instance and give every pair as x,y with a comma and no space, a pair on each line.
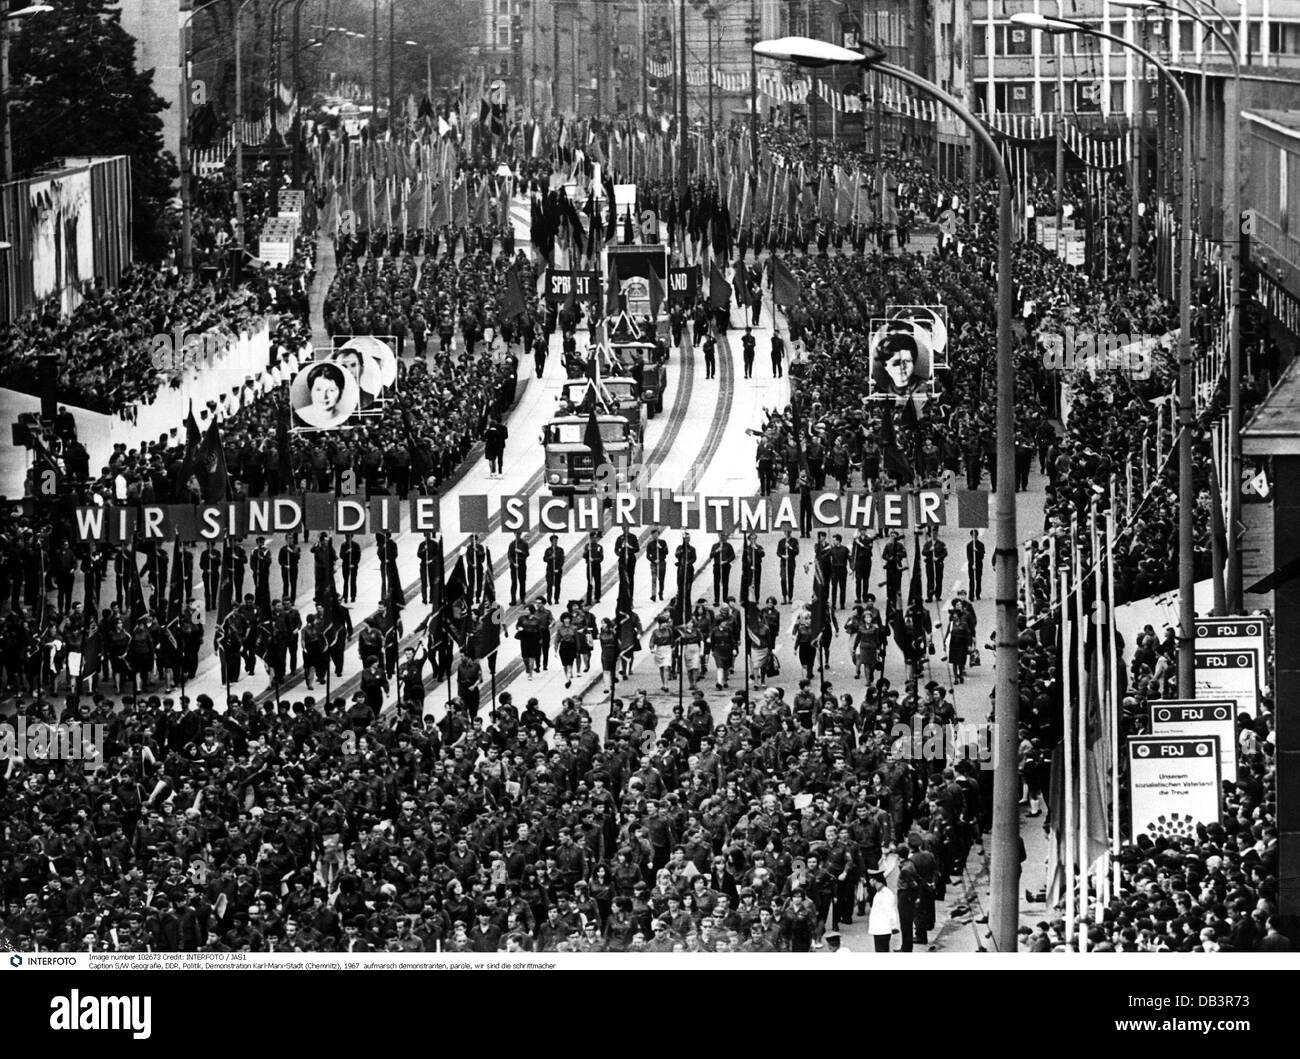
1232,211
1005,910
1186,538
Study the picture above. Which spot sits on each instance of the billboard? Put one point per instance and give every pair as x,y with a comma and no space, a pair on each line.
1198,717
1174,785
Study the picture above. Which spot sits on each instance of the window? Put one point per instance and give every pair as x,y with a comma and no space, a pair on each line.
1086,44
1016,41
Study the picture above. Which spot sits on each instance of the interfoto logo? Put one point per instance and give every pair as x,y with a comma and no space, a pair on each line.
951,743
40,741
77,1012
1095,352
181,350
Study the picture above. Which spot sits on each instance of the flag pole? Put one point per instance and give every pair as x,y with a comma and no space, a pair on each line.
1101,674
1065,828
1081,733
1117,714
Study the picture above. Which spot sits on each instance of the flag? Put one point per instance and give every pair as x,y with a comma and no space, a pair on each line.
135,591
657,295
512,300
914,595
821,592
225,586
592,439
210,466
785,285
613,294
454,603
740,282
892,456
1087,712
176,589
719,291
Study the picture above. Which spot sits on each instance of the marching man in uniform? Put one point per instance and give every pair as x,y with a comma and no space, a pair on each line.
517,557
787,553
656,551
476,567
427,553
721,555
594,554
751,568
350,557
627,548
553,557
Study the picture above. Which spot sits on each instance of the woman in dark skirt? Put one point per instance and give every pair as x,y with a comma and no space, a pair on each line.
528,633
566,646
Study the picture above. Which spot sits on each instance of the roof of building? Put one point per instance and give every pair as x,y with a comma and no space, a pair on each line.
1274,428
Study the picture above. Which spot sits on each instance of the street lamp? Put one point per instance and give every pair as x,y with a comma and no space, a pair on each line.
1186,537
6,146
187,208
1004,915
239,131
1232,218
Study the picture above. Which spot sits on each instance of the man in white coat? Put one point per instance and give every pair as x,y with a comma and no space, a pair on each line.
883,922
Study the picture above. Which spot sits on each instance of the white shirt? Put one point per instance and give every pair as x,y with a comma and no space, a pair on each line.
884,913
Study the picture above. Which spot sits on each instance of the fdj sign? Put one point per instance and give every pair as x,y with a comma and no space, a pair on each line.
1199,719
1230,675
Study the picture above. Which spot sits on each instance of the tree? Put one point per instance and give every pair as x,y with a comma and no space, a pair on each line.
76,91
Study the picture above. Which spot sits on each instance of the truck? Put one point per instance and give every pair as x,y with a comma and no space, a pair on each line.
570,467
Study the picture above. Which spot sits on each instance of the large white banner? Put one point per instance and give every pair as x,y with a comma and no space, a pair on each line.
1174,785
1197,718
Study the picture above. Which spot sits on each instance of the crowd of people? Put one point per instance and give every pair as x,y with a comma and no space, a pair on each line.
321,824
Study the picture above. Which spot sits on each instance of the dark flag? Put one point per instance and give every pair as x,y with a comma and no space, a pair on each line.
193,439
891,454
176,593
210,467
613,294
437,594
740,283
785,285
821,592
657,296
135,590
915,598
455,607
592,439
611,217
593,225
226,586
512,299
719,291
